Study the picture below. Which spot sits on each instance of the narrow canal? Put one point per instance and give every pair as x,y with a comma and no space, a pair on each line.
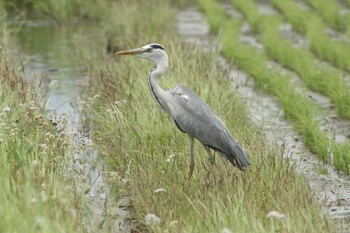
49,58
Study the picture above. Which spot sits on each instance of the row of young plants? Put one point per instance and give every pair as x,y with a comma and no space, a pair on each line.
310,24
317,77
327,81
316,140
329,10
331,13
151,156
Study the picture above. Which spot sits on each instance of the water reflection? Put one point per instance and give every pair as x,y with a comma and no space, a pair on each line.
50,61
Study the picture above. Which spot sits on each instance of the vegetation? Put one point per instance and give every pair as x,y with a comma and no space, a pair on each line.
315,76
151,154
35,196
217,16
309,24
330,12
62,11
146,153
325,80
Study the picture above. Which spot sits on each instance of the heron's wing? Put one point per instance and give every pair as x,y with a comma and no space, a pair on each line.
194,117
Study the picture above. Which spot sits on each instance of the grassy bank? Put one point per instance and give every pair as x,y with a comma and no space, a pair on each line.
62,11
35,196
149,153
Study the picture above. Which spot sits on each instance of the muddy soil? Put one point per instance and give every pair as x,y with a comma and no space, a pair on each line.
330,188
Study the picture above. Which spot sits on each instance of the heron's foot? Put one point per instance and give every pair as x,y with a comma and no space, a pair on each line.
212,160
190,173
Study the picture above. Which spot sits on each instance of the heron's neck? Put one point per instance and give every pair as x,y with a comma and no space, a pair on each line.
159,94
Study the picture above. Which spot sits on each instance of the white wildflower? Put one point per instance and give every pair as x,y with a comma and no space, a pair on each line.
39,222
43,196
124,101
53,84
152,219
172,223
113,174
118,103
226,230
64,117
170,158
49,135
6,109
44,146
159,190
33,200
35,163
275,214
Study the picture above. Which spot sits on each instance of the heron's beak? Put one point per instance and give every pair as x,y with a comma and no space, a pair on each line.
131,52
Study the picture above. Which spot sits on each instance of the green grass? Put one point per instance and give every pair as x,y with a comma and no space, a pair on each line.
330,12
254,62
250,11
309,24
61,11
137,139
324,80
327,81
273,82
215,14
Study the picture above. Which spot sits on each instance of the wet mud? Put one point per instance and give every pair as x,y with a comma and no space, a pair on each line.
329,187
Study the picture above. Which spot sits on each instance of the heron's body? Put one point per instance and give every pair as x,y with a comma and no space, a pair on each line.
189,112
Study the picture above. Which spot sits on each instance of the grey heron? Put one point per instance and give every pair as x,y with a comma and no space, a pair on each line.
189,112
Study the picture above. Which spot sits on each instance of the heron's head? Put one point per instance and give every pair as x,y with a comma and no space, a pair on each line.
153,52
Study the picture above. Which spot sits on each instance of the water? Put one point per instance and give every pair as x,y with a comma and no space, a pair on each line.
50,60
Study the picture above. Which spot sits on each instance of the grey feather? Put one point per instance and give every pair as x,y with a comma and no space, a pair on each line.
194,117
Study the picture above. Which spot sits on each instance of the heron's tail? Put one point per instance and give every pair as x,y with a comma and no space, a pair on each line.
238,157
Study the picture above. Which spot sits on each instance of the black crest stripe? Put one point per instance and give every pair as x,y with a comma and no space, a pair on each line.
157,46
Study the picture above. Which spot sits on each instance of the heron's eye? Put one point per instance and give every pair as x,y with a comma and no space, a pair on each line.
149,50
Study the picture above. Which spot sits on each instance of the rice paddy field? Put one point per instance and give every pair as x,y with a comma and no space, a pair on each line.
276,72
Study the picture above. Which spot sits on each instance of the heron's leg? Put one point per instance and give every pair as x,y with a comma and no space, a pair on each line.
192,159
211,157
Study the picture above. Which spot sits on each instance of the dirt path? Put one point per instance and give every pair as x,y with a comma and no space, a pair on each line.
329,187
